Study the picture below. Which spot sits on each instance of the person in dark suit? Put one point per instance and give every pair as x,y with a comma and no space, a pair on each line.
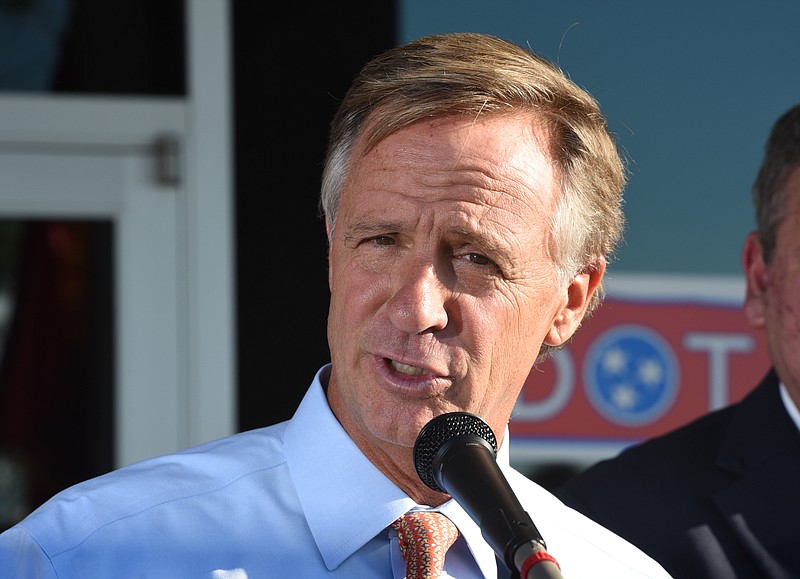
720,497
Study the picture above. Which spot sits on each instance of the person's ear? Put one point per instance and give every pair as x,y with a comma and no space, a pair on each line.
579,293
756,274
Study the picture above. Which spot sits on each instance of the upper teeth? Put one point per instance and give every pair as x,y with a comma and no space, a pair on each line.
407,369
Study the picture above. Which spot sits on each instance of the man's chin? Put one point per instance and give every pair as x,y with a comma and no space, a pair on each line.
405,434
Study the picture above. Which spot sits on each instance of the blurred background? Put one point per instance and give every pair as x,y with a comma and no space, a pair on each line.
162,261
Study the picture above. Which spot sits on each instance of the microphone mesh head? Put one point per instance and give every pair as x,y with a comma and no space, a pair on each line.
440,430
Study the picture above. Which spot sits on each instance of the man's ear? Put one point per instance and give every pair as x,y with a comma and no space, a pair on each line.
756,274
579,293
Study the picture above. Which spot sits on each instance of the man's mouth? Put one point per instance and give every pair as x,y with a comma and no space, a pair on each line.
406,368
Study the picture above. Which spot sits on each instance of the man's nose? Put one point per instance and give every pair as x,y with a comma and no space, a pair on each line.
418,302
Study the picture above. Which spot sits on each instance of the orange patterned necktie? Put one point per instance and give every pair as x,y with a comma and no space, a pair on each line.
425,537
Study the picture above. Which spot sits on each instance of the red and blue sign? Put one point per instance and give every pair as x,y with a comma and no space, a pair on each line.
659,352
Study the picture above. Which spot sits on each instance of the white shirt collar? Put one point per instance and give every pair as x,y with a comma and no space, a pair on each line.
346,500
790,406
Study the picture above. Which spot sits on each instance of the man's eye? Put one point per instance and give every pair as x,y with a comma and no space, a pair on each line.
382,240
478,259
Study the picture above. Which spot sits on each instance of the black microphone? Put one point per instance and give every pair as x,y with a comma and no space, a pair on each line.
455,453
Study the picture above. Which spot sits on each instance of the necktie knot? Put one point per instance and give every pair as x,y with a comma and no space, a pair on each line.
425,537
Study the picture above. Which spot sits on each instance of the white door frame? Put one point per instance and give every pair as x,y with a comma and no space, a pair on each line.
95,157
211,380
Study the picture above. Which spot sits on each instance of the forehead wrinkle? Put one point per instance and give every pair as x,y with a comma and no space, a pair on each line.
495,194
516,201
492,182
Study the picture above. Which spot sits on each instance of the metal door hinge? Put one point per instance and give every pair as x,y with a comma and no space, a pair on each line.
168,160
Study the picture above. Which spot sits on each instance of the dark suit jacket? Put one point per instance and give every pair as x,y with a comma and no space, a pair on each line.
716,498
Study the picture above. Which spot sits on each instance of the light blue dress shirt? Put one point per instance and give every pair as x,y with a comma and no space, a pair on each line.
297,500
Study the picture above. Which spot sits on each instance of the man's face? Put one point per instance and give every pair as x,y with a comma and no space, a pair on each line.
773,292
442,285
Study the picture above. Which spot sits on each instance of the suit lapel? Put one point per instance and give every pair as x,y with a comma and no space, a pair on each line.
762,504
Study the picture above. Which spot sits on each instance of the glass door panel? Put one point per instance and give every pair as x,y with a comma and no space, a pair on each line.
56,358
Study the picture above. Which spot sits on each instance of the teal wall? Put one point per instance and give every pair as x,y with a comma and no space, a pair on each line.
690,89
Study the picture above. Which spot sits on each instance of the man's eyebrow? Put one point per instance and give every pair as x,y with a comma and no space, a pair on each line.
484,240
364,228
494,244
